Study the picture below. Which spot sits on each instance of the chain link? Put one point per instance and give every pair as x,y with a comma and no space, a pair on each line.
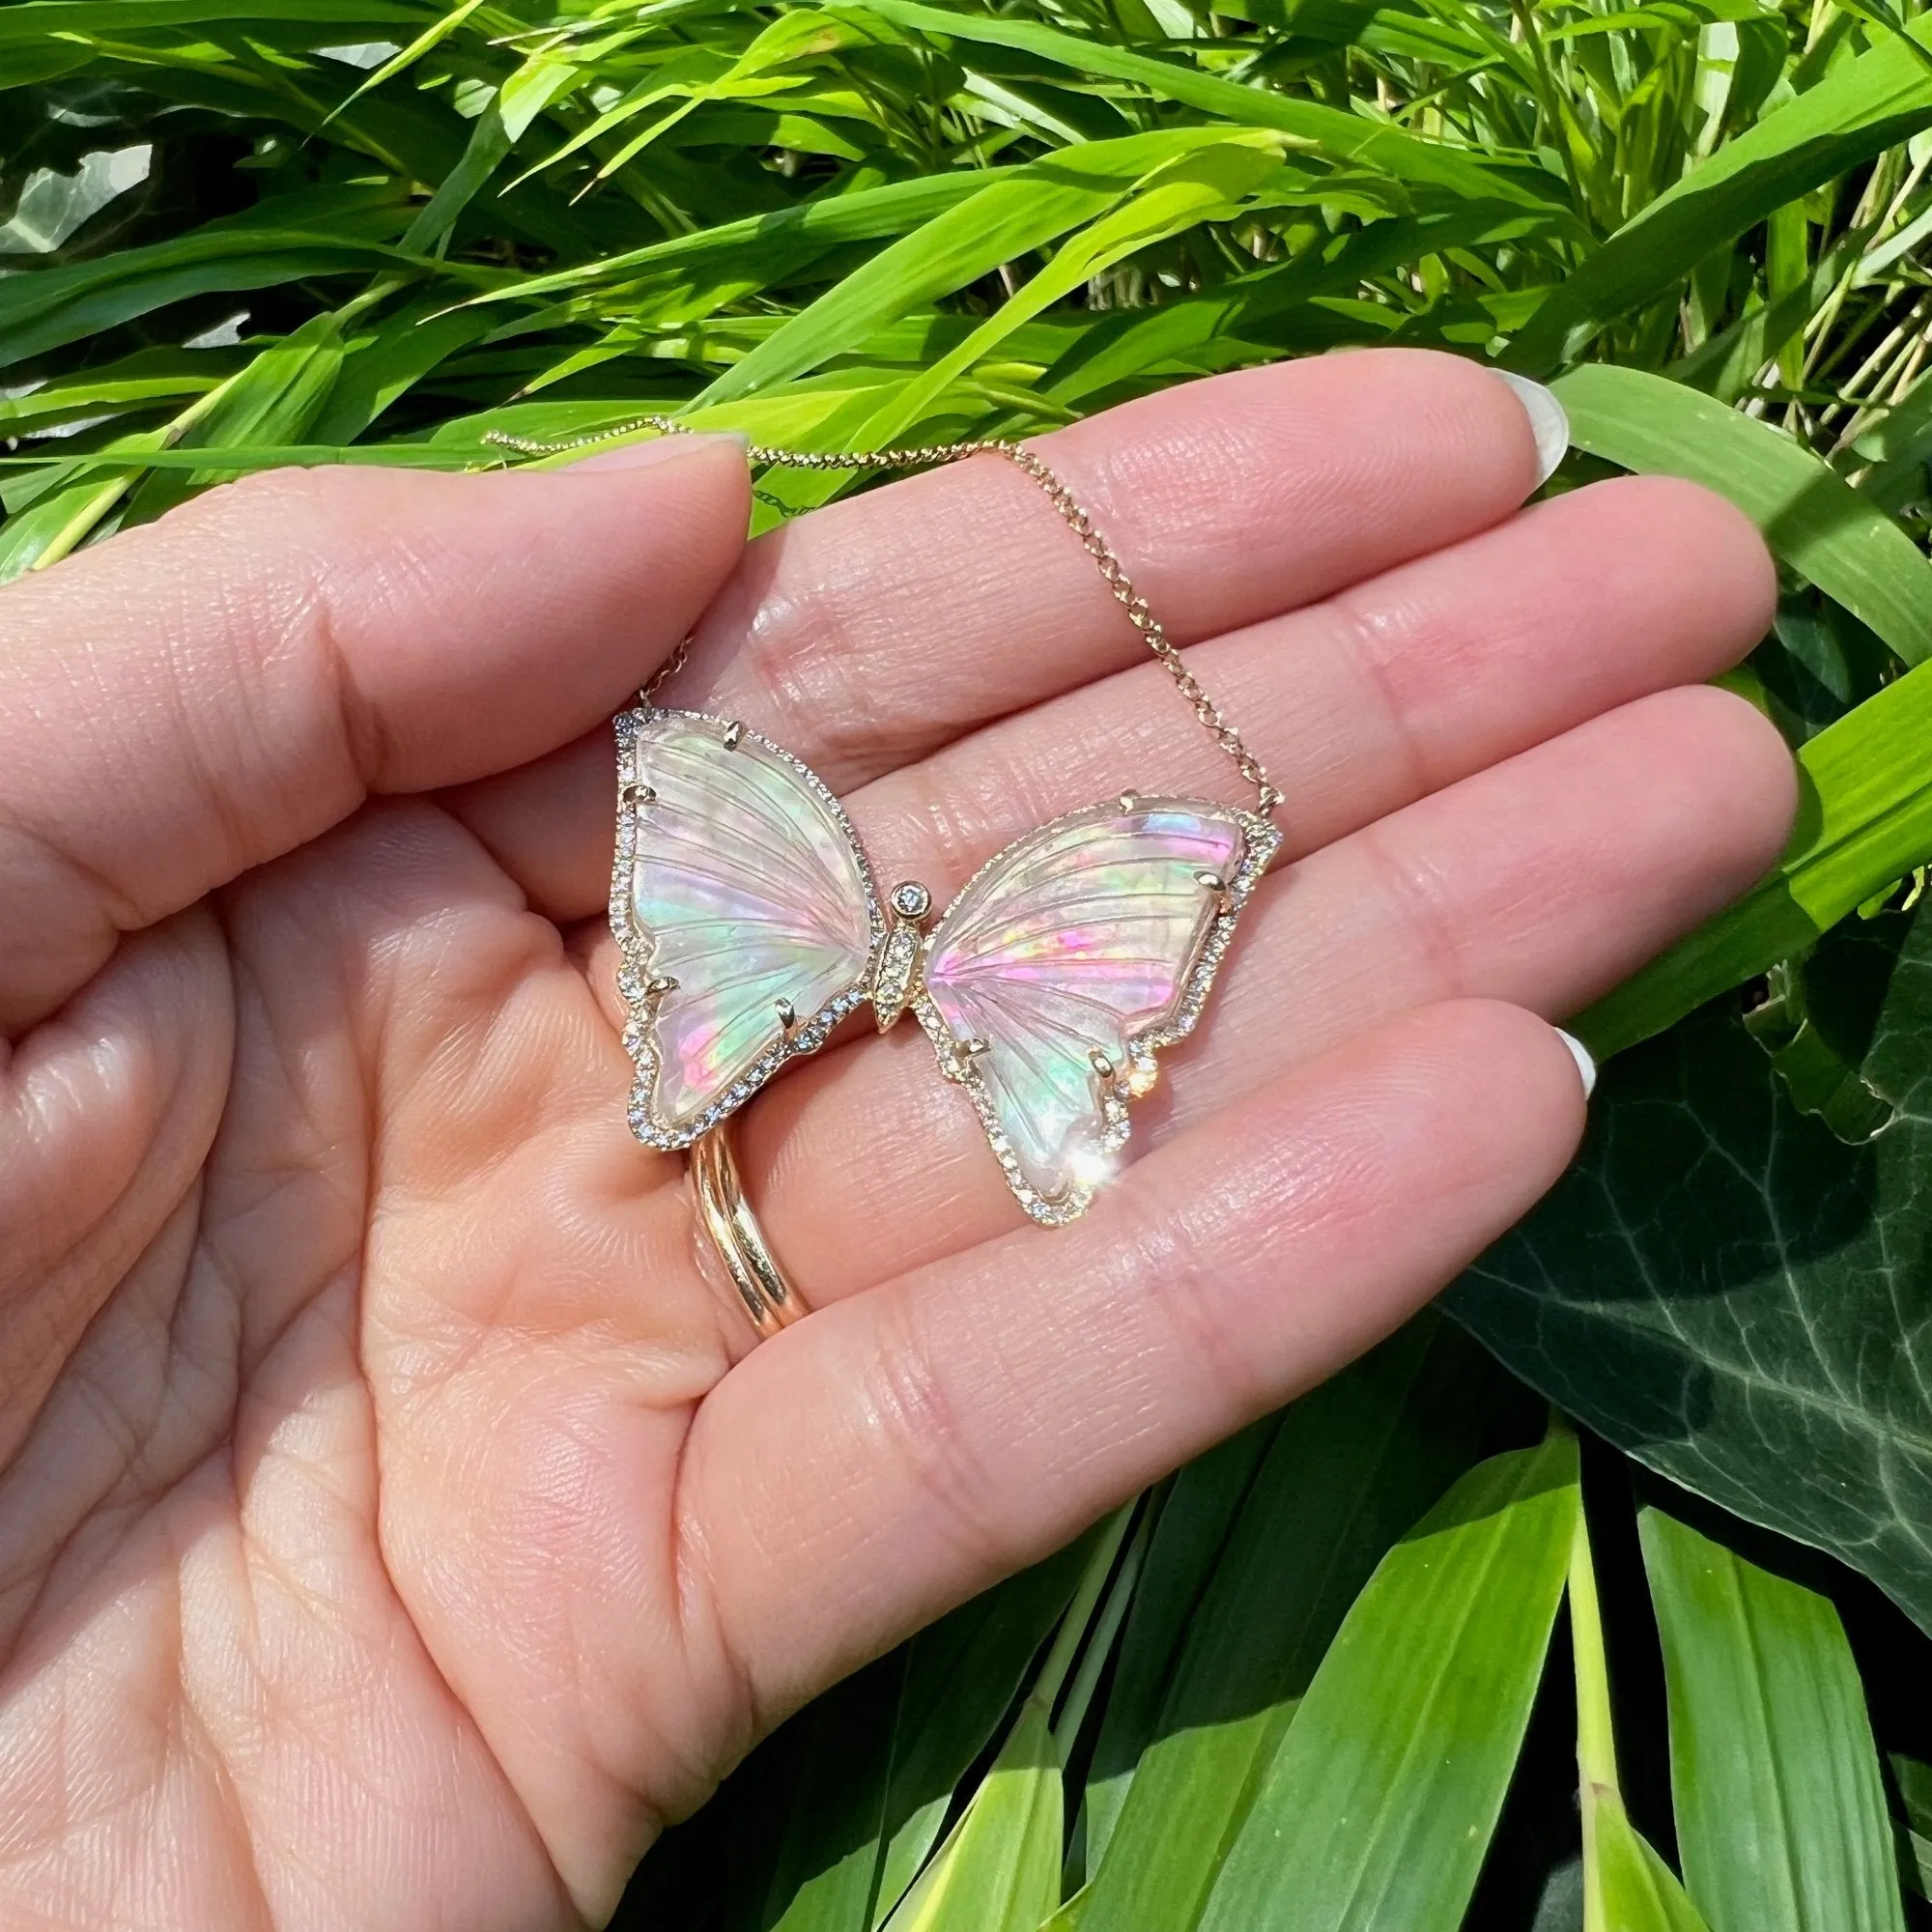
931,456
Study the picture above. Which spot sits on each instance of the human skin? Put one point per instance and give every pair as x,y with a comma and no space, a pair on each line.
397,1525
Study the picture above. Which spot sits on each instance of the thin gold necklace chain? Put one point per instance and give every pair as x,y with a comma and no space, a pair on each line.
931,456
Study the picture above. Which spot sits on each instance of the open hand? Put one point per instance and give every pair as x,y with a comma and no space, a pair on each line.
396,1525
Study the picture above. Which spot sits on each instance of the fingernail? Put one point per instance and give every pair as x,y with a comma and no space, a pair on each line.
1547,423
659,450
1580,1054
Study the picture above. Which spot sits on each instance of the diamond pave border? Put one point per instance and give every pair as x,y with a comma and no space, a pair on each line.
634,966
1261,842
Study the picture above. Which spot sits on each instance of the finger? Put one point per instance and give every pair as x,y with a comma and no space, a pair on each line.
876,629
1357,704
1378,696
909,1446
880,627
192,699
1541,881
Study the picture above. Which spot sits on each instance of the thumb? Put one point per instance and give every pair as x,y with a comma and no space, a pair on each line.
193,698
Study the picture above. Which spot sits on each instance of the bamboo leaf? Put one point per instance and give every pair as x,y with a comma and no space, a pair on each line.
1780,1812
1346,136
1378,1806
793,235
317,232
1347,1470
430,38
1627,1888
1004,219
999,1869
1205,183
821,1830
522,97
1637,1892
1915,1830
1865,821
1873,102
30,21
60,522
1810,517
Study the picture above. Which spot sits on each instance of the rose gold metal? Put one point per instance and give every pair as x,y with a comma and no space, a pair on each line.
725,1218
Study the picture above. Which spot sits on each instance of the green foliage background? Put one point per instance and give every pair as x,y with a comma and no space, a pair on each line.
1350,1669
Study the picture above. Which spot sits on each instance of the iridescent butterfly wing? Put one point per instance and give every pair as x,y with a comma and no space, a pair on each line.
1067,961
745,910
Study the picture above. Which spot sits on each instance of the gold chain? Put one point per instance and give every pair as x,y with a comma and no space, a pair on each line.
931,456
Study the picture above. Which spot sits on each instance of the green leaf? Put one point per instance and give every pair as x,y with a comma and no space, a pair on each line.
43,309
822,1828
1639,1891
31,67
1627,1888
521,98
381,366
1346,136
1378,1808
1898,445
141,380
1914,1832
1004,219
61,521
998,1868
786,238
1810,517
1349,1469
433,36
275,399
1202,184
1728,1291
1820,1071
1242,318
1193,1520
1871,103
1781,1811
1865,820
1729,362
1071,1918
27,23
1206,185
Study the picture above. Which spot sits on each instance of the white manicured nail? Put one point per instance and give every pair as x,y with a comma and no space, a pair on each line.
1547,423
1580,1054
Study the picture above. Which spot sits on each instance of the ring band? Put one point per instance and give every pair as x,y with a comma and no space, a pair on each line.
726,1219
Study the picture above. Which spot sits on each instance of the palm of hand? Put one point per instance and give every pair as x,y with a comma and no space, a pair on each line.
395,1526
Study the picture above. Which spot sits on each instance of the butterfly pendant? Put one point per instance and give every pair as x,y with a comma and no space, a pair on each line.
751,927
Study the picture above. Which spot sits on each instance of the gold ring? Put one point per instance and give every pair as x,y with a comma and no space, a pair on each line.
726,1219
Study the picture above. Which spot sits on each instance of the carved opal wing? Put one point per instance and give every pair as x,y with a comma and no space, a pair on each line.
1050,981
745,909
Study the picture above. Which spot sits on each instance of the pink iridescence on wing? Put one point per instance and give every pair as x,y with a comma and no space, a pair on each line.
746,891
1075,939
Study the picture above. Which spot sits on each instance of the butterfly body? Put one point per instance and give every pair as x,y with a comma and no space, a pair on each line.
751,927
896,968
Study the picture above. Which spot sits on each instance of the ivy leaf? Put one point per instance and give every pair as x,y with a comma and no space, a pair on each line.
1737,1295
